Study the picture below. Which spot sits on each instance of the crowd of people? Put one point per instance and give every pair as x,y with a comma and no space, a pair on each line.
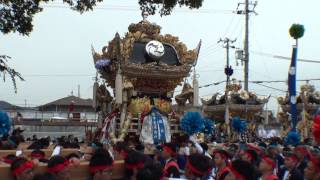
183,159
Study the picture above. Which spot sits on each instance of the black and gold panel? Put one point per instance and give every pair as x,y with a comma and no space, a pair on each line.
140,56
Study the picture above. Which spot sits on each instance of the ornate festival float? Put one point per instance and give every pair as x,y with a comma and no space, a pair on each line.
143,68
308,102
235,112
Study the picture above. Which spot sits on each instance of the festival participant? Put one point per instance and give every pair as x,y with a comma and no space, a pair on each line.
220,158
101,165
22,169
266,167
169,153
150,171
273,152
87,153
240,170
74,159
139,147
201,148
183,153
38,156
34,137
120,150
133,162
262,145
8,159
198,167
312,171
251,156
260,151
9,142
233,149
59,166
16,137
302,154
42,143
290,171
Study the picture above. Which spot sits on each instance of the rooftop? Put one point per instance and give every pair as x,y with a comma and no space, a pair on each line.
67,101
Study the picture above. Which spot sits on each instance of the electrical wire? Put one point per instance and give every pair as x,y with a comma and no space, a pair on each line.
283,57
270,87
260,83
59,75
212,84
133,8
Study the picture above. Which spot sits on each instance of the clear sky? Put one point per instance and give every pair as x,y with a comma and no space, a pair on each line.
56,57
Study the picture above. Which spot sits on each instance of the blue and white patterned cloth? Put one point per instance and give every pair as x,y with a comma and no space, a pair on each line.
155,128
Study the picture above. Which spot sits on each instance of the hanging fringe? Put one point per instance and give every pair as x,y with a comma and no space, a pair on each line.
118,84
195,90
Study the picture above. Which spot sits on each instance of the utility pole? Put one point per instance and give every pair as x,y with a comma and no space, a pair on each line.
248,8
228,71
78,90
246,47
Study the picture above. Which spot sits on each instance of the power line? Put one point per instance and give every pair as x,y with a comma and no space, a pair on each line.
229,26
270,87
59,75
283,57
284,81
133,8
212,84
259,82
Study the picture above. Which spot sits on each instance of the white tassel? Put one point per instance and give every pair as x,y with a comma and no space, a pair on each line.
94,98
195,90
119,87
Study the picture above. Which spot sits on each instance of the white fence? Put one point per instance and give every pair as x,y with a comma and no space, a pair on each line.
33,114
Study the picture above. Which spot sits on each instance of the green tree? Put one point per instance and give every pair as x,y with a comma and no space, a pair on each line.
165,7
17,15
5,69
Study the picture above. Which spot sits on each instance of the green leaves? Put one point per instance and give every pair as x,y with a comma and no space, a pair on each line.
4,68
17,15
165,7
296,31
